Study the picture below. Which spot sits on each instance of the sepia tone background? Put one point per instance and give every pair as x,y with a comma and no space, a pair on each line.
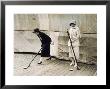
56,25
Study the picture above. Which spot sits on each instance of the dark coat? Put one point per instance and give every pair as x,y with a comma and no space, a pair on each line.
45,40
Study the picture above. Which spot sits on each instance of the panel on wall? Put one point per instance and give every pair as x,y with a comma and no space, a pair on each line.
88,23
43,21
54,22
25,21
91,23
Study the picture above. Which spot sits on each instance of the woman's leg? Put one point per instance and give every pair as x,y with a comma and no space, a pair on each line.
76,50
71,56
40,60
74,61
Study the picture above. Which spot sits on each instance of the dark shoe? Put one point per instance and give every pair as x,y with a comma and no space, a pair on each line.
77,67
49,58
40,62
74,68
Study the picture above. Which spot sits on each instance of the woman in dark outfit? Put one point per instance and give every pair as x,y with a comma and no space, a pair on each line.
46,41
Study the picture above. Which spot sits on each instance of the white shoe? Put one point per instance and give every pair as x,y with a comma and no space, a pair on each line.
71,69
39,62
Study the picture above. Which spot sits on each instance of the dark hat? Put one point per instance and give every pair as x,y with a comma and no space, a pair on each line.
36,30
73,22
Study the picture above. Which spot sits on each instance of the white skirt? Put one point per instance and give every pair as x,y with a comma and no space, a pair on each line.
76,50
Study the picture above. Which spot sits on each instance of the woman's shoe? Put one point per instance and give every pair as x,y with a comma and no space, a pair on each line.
71,69
40,62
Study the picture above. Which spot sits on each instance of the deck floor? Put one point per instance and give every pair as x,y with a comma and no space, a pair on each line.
52,67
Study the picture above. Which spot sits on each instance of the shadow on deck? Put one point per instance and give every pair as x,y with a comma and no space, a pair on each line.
52,67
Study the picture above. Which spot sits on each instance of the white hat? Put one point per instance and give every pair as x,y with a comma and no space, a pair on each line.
73,21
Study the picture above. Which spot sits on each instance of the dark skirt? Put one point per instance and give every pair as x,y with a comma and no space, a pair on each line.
45,52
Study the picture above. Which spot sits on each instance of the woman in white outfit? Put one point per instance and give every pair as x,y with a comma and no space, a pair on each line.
74,33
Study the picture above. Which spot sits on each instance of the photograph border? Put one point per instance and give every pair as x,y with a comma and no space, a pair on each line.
4,3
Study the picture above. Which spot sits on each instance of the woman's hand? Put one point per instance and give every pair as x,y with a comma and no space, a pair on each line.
52,43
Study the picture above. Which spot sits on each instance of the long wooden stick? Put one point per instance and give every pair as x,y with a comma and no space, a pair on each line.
72,46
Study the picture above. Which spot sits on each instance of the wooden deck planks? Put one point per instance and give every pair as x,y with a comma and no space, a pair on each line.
52,67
